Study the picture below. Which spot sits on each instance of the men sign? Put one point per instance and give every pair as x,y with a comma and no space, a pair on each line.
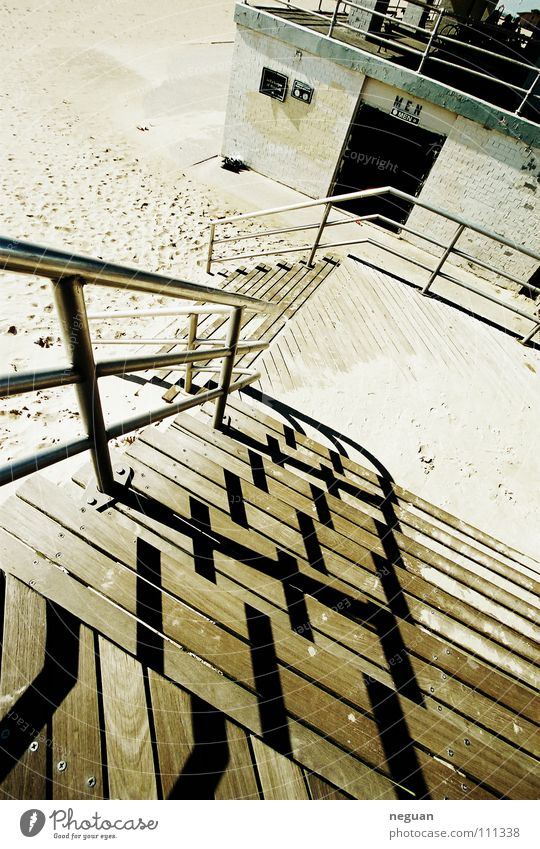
406,110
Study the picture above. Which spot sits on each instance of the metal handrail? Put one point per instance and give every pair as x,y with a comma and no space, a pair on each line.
69,273
448,249
433,38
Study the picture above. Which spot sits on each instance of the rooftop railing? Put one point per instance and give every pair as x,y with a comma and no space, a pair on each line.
69,274
445,33
449,249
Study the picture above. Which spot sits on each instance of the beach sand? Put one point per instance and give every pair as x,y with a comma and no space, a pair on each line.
103,107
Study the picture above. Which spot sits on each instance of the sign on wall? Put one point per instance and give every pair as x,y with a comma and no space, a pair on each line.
302,91
407,110
273,84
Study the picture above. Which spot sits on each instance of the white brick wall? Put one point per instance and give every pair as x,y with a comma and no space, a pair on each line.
492,179
291,142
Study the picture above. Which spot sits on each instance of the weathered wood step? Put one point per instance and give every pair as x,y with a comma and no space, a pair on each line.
228,654
357,523
304,453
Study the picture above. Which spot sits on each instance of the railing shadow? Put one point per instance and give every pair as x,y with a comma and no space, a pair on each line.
37,704
209,542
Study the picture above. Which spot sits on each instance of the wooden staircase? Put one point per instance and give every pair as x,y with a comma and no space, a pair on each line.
259,617
285,285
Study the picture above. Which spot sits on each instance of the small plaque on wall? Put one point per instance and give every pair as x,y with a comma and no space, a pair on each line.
302,91
273,84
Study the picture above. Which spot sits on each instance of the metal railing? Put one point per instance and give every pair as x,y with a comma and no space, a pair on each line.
434,41
448,249
69,274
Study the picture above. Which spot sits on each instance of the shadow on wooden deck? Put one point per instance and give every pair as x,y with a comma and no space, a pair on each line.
260,617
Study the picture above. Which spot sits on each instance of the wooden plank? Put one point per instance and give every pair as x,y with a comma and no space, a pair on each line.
176,499
227,609
450,660
297,493
320,789
23,771
76,732
430,678
292,302
129,750
347,516
280,777
445,613
231,656
354,471
308,748
171,709
354,645
238,780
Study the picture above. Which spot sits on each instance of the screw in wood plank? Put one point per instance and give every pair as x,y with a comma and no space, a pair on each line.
91,500
464,788
34,746
61,766
91,782
467,742
450,753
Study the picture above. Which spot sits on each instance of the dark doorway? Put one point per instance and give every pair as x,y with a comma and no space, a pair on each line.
383,150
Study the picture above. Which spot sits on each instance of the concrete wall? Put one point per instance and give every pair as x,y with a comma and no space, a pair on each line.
495,181
292,142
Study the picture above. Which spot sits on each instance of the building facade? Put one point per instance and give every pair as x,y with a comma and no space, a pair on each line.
328,117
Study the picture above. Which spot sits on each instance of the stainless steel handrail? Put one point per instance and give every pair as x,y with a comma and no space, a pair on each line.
27,258
448,249
69,273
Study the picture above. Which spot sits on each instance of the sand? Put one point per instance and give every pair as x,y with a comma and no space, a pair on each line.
104,108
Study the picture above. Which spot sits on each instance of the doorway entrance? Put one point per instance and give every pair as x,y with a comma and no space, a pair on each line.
383,150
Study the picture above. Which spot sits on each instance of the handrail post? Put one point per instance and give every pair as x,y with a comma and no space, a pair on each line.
227,366
528,93
444,257
430,42
210,248
192,335
69,298
334,19
322,225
